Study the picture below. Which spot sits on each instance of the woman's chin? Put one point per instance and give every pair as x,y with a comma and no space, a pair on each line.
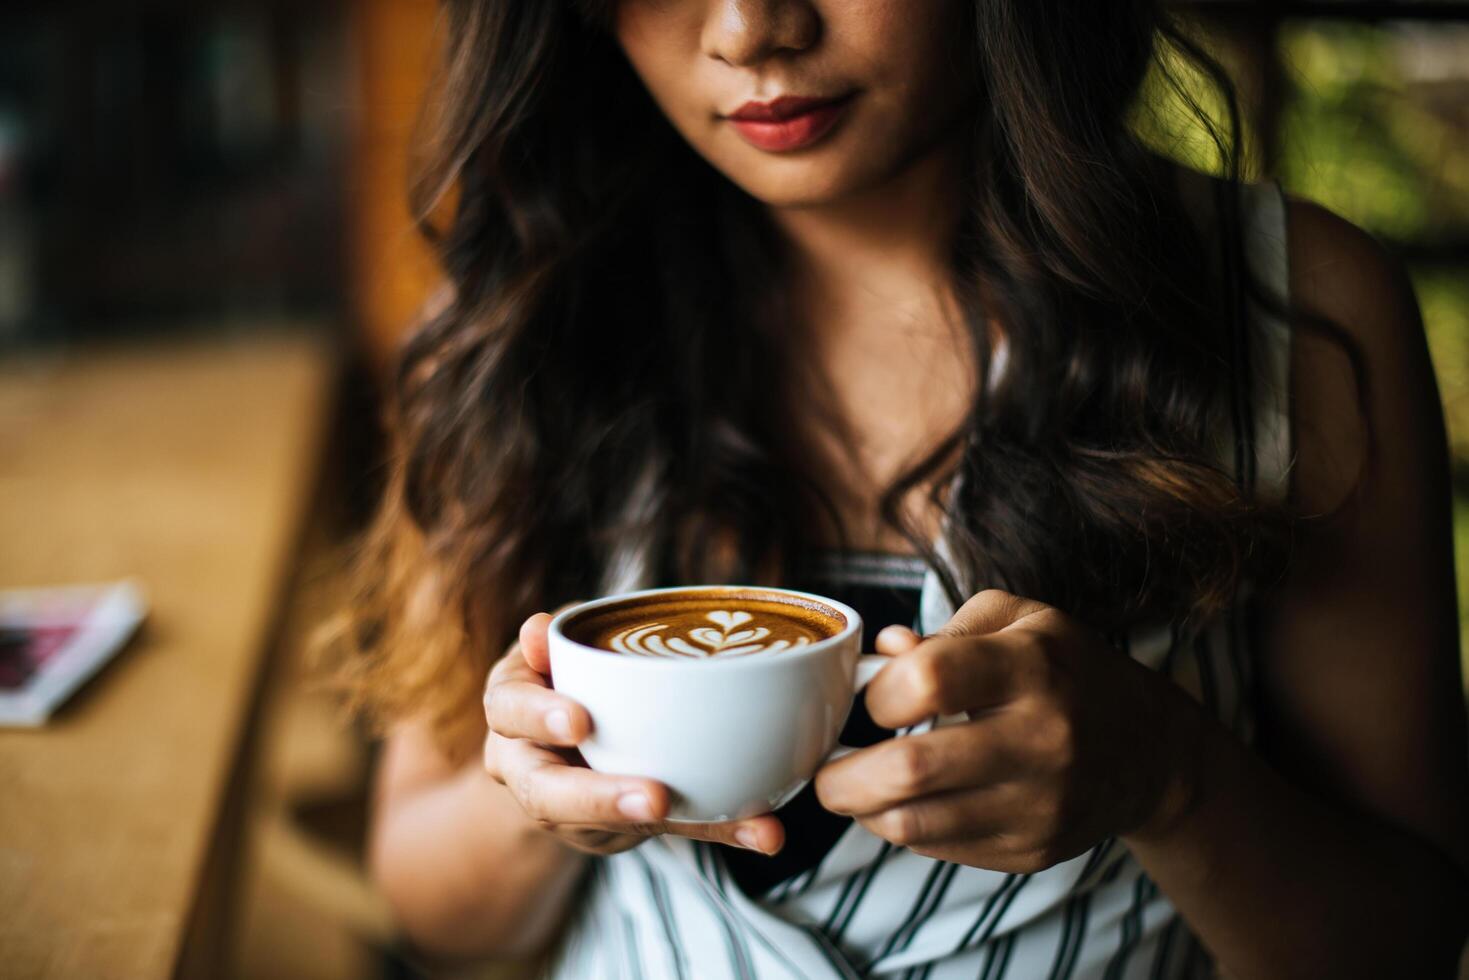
800,186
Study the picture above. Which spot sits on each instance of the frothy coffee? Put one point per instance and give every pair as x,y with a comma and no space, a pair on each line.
706,625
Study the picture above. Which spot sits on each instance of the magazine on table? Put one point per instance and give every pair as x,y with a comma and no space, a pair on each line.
53,639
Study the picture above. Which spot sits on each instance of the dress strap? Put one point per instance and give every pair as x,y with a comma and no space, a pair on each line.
1265,231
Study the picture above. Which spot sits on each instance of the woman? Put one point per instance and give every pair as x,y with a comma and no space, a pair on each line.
889,302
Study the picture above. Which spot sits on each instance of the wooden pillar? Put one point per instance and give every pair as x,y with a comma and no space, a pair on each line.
391,268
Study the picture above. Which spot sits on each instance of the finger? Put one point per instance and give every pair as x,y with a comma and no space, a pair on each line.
495,745
764,833
989,612
534,642
898,770
549,788
965,814
513,667
528,709
895,640
945,675
534,646
561,721
491,757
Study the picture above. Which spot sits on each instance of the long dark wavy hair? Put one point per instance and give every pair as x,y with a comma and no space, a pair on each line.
596,326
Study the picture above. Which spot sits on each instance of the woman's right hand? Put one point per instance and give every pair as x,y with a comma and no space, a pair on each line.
531,750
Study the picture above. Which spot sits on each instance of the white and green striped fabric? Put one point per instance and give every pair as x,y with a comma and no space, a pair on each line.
669,909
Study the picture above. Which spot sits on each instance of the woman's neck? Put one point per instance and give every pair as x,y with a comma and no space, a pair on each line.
886,249
883,368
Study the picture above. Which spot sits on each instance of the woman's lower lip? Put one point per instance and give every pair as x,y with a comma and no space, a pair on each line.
793,133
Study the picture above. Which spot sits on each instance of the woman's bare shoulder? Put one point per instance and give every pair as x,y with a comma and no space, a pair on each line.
1343,274
1364,625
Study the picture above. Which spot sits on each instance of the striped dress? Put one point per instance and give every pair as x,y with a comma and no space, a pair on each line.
674,908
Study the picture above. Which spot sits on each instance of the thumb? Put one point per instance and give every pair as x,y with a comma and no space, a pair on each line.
989,612
895,640
534,646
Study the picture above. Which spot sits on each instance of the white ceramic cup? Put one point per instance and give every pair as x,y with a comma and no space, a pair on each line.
731,738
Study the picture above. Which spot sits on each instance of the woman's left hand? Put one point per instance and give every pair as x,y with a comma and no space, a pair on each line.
1068,741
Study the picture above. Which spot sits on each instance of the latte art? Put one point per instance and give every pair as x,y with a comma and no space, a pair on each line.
706,624
728,640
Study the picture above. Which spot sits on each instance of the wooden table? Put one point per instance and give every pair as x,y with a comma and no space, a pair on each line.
190,467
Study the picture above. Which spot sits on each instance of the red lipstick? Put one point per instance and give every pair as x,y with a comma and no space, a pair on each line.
790,122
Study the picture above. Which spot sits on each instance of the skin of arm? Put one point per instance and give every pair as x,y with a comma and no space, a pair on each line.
1346,855
465,870
483,860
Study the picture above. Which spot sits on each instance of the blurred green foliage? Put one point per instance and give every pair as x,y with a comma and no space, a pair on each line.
1181,112
1443,296
1373,123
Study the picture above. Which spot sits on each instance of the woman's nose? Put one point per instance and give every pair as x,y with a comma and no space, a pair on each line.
745,32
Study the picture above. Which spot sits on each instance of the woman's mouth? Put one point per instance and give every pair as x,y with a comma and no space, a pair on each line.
791,122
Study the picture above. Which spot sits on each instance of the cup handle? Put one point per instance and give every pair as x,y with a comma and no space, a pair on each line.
867,668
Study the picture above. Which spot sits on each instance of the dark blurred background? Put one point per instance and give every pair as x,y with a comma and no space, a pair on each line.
169,162
178,172
174,166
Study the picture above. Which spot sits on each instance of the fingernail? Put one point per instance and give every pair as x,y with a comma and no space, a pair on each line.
635,806
560,723
747,839
895,632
